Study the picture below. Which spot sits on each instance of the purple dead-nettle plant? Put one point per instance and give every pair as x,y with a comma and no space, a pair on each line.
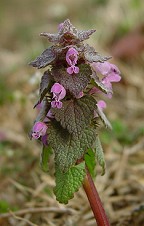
70,106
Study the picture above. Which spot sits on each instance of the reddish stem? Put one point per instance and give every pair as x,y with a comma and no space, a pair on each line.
95,202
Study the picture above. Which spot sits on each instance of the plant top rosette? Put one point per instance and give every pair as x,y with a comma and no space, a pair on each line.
70,106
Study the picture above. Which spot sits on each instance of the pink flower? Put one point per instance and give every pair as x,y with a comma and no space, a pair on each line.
105,68
110,72
72,69
59,93
101,104
39,129
71,58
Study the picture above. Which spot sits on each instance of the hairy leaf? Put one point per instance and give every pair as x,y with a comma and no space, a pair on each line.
68,32
51,37
103,118
76,114
44,85
100,154
44,157
92,56
68,147
68,28
69,182
43,112
90,161
46,58
83,35
74,83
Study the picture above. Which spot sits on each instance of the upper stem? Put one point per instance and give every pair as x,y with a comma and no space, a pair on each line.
95,202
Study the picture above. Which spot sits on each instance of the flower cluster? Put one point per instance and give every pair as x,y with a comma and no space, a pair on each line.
110,74
72,55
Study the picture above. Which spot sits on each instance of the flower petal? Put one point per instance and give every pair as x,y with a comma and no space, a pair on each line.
39,129
101,104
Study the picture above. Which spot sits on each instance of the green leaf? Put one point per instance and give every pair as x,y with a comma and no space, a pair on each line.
75,83
68,147
45,154
76,114
90,161
69,182
100,154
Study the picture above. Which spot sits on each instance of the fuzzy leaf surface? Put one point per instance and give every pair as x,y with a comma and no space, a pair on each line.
66,31
83,35
68,183
46,58
43,112
44,157
74,83
76,114
44,85
92,56
68,147
100,154
51,37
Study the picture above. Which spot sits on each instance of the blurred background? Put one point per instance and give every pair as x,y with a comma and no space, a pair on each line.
24,188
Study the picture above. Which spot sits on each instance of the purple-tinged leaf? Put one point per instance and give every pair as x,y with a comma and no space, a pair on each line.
44,85
43,112
68,28
76,115
75,83
51,37
83,35
92,56
46,58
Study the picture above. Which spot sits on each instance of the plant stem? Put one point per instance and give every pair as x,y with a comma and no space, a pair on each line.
95,202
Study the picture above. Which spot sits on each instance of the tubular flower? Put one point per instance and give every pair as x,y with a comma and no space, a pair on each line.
71,58
39,130
110,72
59,93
